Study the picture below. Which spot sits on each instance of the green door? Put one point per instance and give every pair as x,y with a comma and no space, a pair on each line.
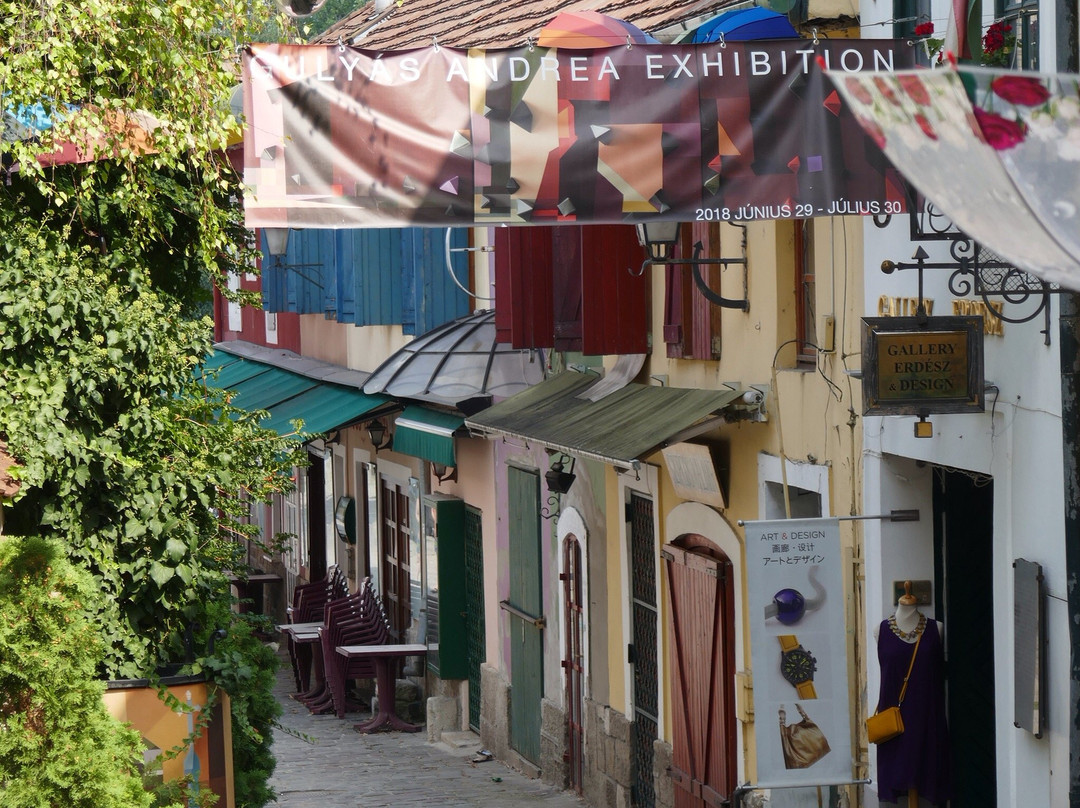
474,609
525,606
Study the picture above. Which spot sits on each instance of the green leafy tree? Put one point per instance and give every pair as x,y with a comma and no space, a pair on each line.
140,472
58,744
125,454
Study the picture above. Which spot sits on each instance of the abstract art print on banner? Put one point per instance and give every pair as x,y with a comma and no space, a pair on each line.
798,649
736,131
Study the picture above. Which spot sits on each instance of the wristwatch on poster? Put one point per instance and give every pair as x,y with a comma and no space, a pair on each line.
797,665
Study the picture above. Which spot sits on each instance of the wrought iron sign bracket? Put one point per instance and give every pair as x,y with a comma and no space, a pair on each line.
707,292
974,273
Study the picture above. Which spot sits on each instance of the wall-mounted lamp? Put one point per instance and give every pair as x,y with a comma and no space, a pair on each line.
277,245
277,241
659,239
444,473
377,432
558,481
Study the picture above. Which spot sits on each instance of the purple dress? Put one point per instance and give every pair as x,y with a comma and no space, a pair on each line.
919,757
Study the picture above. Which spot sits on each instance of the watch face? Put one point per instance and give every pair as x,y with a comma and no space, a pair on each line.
797,666
790,606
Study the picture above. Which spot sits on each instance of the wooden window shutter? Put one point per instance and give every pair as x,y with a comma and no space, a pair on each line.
615,317
566,269
691,322
523,286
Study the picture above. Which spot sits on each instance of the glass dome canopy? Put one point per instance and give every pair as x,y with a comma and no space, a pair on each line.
458,362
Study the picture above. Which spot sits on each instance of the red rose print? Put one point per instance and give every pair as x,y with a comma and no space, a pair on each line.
916,90
874,131
1000,133
924,124
1020,90
886,91
924,29
860,93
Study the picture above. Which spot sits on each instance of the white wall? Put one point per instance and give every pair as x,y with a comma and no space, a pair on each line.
1017,441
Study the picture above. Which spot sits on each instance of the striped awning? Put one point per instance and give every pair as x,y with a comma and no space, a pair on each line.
427,433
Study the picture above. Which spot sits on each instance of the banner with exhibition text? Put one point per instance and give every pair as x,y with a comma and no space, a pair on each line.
339,137
798,649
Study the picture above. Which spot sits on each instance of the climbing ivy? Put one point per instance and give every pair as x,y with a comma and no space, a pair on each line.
139,471
126,456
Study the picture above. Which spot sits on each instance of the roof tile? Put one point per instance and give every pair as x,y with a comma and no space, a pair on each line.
499,24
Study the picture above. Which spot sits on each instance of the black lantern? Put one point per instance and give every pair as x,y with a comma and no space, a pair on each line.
558,481
377,432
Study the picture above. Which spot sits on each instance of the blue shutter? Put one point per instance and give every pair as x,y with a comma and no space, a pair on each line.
345,277
310,257
435,298
412,248
377,260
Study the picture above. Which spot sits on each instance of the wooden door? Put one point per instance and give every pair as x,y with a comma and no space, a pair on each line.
316,561
702,654
574,659
526,613
474,596
395,574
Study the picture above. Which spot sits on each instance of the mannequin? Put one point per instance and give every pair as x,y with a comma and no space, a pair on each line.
916,762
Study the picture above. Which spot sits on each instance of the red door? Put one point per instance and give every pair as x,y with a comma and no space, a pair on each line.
702,655
574,660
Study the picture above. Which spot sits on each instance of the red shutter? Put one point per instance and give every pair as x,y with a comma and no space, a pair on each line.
566,269
615,313
523,286
706,316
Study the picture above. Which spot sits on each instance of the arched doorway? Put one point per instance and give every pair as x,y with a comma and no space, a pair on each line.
702,656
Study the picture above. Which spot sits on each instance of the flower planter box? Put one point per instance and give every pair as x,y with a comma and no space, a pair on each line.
208,760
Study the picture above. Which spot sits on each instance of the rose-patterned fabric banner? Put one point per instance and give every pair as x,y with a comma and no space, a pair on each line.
735,131
997,151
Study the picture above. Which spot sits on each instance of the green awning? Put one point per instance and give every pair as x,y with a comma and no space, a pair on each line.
326,407
322,406
620,429
267,389
427,433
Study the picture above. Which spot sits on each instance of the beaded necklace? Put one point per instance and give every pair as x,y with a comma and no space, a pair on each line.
907,636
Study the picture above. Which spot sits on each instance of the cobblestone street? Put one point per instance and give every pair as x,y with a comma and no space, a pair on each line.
336,767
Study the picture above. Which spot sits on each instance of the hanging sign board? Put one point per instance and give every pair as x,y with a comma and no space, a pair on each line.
798,648
339,137
919,366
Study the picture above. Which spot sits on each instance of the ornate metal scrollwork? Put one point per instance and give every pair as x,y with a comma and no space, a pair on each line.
976,271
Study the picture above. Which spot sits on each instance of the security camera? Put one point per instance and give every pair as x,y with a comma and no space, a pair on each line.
753,397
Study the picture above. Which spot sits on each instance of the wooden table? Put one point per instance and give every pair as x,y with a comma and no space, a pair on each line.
301,628
382,656
307,634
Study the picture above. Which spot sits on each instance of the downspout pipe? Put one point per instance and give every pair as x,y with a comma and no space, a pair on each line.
1068,61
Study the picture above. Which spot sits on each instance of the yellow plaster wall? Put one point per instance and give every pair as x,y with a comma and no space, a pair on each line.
818,407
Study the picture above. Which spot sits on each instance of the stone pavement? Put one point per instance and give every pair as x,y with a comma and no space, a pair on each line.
336,767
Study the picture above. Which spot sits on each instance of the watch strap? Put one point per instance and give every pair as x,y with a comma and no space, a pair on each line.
788,642
806,690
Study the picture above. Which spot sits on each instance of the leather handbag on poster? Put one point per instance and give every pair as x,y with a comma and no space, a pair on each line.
886,724
803,742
